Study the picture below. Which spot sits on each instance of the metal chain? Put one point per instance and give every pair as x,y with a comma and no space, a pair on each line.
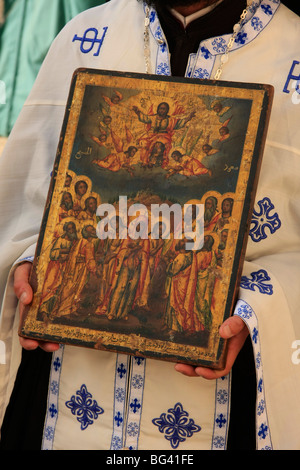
146,41
224,58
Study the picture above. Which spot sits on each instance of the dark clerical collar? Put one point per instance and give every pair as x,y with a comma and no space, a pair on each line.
184,41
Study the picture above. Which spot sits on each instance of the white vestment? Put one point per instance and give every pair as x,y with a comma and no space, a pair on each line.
102,400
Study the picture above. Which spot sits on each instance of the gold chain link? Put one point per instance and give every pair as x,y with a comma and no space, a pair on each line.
229,46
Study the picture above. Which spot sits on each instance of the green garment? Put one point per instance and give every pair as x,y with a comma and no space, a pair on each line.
25,37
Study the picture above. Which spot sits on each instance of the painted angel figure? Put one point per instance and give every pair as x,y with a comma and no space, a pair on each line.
120,158
186,165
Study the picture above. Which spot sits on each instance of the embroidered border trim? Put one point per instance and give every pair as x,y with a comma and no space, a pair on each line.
135,402
120,397
222,409
263,433
52,403
23,260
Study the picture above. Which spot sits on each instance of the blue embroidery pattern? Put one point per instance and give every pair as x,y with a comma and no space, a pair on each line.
241,38
91,38
132,429
263,435
176,426
201,73
121,371
163,69
209,49
57,364
259,278
137,381
267,9
53,395
116,443
255,335
257,23
152,16
222,396
221,420
261,407
138,360
262,220
28,258
118,419
82,406
135,405
120,395
245,311
263,431
205,53
122,366
53,411
135,402
219,45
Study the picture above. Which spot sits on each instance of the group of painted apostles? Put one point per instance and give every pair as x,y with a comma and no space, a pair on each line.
129,274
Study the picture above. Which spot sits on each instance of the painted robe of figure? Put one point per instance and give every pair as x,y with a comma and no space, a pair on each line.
55,270
126,280
81,262
160,128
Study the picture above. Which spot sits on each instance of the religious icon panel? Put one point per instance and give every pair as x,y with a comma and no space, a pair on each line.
146,224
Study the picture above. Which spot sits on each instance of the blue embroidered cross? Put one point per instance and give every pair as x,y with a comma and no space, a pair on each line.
163,47
121,371
263,431
176,426
205,52
135,405
82,406
152,16
139,360
267,9
262,220
221,421
258,279
57,364
118,419
241,38
52,410
91,38
254,335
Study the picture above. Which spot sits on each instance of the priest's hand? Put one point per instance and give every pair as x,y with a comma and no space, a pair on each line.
236,331
24,293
